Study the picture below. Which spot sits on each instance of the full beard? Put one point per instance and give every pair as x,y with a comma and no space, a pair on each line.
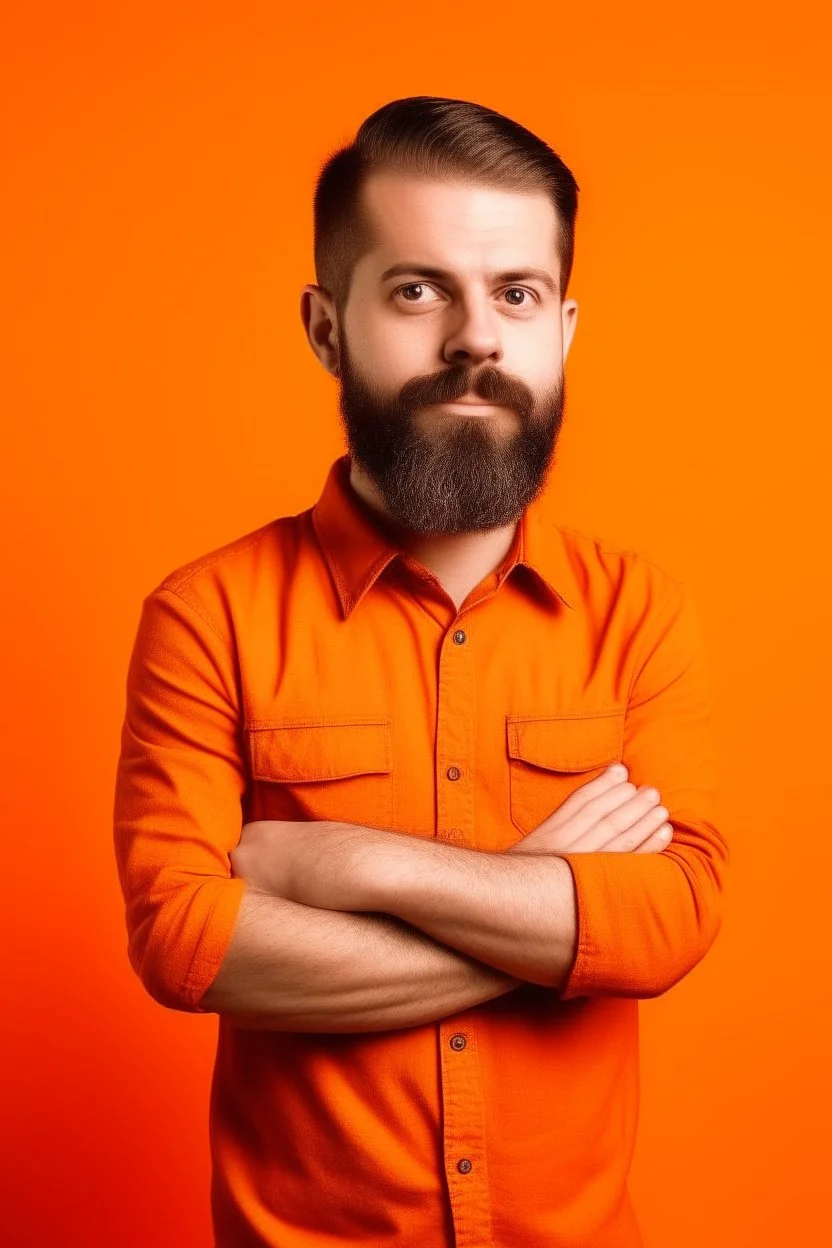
451,473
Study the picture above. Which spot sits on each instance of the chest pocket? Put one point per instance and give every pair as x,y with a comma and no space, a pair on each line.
551,756
341,771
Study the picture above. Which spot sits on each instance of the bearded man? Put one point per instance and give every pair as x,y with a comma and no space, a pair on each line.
416,789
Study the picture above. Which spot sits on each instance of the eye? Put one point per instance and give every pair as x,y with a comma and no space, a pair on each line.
420,286
521,290
412,286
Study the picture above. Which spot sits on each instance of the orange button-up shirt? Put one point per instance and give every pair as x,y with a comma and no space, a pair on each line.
310,670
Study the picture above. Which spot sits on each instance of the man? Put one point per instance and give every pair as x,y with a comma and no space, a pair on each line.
417,788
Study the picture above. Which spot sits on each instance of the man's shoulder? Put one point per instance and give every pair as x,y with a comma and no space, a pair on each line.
231,557
600,559
212,582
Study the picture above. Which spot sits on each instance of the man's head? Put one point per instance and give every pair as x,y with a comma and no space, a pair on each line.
443,247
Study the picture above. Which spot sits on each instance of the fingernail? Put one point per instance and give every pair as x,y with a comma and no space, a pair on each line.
618,770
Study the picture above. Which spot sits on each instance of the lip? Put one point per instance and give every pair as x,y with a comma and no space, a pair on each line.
474,400
466,403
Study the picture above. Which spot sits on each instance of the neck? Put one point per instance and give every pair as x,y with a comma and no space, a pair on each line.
459,561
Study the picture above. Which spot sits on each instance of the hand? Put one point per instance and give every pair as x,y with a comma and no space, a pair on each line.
312,861
607,814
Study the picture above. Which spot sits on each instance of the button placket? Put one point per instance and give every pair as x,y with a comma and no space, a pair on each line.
463,1110
459,637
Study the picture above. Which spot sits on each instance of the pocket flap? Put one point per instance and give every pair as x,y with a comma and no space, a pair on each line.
293,753
567,742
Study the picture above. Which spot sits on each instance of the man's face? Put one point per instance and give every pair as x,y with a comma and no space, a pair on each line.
412,342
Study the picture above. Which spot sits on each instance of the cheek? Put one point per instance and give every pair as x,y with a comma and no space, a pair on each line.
393,353
538,353
538,360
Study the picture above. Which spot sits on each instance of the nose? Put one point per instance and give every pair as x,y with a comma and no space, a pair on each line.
474,338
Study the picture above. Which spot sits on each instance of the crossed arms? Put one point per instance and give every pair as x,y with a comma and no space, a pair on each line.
458,927
443,927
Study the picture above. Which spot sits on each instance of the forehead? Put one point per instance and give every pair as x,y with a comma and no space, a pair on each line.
449,224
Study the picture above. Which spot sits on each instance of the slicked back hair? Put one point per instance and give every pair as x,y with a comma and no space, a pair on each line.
435,137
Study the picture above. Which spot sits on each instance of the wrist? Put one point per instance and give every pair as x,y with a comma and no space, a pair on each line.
385,866
351,868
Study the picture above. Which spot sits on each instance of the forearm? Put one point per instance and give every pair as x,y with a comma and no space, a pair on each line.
516,912
293,967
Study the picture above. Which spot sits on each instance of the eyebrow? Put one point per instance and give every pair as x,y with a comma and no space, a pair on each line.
510,275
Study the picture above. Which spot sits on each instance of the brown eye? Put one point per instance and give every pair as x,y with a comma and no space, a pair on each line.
419,286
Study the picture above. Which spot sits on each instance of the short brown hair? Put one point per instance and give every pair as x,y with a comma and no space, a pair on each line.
437,137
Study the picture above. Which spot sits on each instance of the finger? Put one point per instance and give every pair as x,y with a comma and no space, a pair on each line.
657,842
611,814
611,777
633,837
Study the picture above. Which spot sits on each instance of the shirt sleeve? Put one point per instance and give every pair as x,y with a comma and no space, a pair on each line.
646,919
177,806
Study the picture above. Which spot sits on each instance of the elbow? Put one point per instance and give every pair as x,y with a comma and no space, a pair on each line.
643,948
159,969
673,964
667,952
681,938
177,941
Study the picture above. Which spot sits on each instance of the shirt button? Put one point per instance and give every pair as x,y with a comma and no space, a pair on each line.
458,1042
459,637
464,1166
453,773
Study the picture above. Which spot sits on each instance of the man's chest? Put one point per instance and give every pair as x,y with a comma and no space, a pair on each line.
472,728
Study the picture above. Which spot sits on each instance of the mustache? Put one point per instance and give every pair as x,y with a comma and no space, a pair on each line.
452,383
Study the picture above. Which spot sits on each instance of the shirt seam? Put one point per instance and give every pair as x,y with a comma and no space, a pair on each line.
182,576
186,984
608,546
679,590
186,987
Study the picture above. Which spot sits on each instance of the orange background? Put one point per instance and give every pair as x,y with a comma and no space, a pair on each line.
160,399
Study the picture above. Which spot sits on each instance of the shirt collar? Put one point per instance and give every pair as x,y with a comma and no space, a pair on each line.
357,550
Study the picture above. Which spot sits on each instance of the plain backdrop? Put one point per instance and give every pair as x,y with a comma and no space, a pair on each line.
159,399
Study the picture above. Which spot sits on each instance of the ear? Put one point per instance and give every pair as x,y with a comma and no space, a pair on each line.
569,320
317,312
